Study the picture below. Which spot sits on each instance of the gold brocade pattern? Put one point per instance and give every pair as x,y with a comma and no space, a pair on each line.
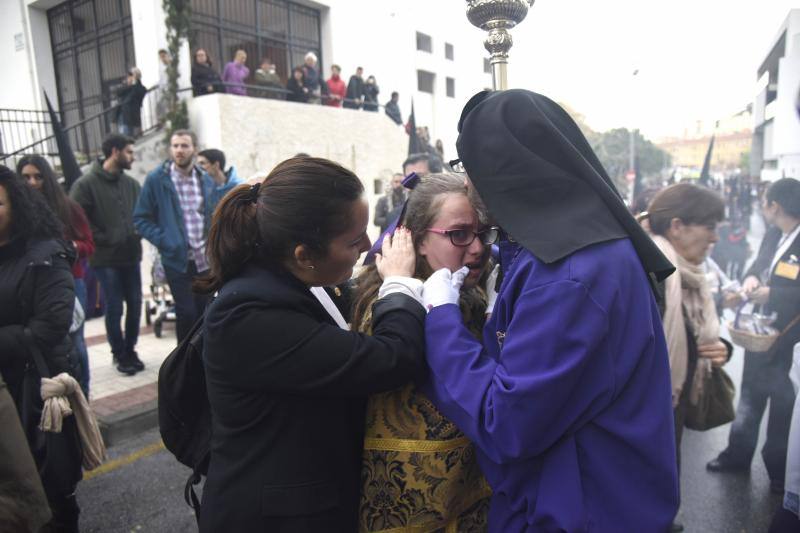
419,472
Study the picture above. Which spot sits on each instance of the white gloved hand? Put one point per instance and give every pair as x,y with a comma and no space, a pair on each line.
491,293
443,287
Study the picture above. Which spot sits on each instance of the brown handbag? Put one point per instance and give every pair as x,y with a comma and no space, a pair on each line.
715,405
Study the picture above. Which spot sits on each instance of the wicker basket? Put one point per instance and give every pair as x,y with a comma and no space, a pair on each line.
750,341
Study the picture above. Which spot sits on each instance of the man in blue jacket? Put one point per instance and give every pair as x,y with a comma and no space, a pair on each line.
212,161
174,213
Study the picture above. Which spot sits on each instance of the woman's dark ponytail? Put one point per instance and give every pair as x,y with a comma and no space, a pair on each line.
304,200
232,238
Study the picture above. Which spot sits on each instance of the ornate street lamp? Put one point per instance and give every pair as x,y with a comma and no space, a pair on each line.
497,17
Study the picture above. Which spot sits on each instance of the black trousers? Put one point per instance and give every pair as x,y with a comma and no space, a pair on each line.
764,379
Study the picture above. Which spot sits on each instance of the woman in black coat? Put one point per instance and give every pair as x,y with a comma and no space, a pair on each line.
298,92
371,92
205,80
36,302
287,380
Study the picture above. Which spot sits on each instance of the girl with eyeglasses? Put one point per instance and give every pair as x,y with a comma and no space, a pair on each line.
411,451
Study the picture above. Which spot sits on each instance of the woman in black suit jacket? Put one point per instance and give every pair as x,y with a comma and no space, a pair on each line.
287,381
773,280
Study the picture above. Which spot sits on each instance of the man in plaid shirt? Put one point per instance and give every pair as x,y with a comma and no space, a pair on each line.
174,213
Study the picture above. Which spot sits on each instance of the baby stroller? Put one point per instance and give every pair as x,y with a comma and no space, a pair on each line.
160,304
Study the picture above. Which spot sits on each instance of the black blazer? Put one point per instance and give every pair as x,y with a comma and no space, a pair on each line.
784,294
204,76
287,389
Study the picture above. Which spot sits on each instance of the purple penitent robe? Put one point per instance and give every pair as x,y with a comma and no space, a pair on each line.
568,398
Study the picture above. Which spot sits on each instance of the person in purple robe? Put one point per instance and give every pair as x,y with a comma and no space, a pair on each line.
567,398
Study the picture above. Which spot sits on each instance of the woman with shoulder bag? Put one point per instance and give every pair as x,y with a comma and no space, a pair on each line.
38,296
683,219
39,175
287,380
773,281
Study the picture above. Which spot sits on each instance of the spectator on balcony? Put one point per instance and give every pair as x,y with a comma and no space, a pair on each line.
39,175
266,77
355,90
108,196
393,109
164,61
174,214
205,80
212,161
130,97
235,73
298,92
312,79
336,88
371,91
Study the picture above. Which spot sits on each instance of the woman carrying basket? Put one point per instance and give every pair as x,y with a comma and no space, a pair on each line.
774,281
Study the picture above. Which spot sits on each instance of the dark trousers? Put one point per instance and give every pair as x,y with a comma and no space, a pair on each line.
189,306
65,514
764,378
122,284
79,341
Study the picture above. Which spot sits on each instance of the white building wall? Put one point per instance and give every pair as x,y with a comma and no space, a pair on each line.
25,50
149,36
19,93
779,119
41,50
380,36
256,134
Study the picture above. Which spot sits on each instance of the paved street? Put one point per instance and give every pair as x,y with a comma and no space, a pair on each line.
724,503
144,495
147,493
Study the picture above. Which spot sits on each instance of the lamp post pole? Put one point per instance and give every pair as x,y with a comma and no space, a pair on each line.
497,17
632,131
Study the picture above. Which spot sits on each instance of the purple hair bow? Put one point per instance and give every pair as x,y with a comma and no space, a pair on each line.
409,182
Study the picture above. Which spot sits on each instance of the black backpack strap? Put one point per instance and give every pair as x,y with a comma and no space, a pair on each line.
189,493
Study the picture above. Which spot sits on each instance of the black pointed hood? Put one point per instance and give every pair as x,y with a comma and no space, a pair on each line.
541,180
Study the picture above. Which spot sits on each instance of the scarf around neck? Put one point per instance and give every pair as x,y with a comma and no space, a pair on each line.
688,302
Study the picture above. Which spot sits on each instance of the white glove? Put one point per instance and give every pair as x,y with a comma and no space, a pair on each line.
443,287
491,293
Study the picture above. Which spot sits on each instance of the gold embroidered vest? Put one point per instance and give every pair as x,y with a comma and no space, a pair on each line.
419,472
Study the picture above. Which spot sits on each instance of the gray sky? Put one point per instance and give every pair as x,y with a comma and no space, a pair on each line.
697,59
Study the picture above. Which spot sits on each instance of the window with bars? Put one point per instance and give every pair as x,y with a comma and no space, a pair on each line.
92,46
280,30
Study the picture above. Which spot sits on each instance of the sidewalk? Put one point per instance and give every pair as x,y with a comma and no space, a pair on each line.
127,405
